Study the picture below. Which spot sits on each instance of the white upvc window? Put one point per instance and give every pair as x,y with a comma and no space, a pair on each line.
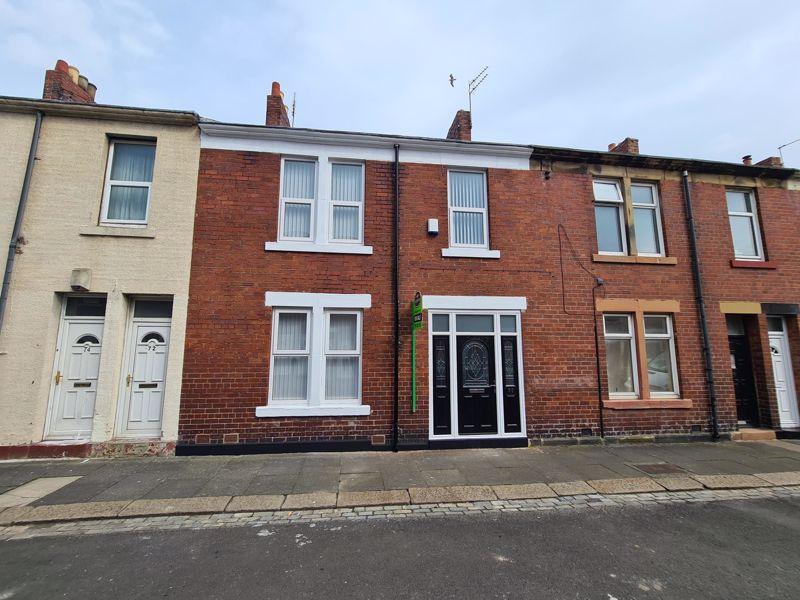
745,230
609,215
662,369
316,358
647,219
468,212
347,203
129,177
342,357
298,195
621,356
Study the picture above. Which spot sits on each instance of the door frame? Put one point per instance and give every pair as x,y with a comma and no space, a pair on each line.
63,328
789,372
496,334
128,357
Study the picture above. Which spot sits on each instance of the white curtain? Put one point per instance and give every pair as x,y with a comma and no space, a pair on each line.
343,332
345,224
127,203
341,378
467,190
620,365
298,179
133,162
291,331
468,228
296,220
346,183
290,378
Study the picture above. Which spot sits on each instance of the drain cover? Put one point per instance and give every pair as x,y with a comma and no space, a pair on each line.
659,468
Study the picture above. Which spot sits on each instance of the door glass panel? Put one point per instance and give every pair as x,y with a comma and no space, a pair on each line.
87,339
441,322
620,367
476,323
508,323
83,306
775,324
659,365
157,309
475,364
156,337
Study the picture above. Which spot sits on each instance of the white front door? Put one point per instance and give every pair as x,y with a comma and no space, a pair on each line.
144,396
77,369
782,371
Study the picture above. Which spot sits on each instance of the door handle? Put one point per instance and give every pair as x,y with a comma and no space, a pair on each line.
58,377
128,380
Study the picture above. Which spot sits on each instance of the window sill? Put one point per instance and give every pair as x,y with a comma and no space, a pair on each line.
643,404
753,264
116,231
313,411
321,248
470,253
640,260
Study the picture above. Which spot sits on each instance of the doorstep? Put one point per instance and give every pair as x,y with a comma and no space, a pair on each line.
753,434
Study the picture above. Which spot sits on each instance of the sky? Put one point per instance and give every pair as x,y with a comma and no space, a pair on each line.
700,79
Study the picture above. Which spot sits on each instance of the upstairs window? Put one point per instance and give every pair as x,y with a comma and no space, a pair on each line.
469,223
611,218
126,196
745,231
298,192
609,215
647,219
347,201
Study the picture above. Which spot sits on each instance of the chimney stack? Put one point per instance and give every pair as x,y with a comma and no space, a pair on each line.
771,161
461,128
66,83
747,159
627,146
277,114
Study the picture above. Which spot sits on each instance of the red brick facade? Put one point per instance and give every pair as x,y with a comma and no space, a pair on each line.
542,222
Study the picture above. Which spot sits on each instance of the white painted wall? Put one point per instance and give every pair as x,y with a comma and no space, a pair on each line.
65,196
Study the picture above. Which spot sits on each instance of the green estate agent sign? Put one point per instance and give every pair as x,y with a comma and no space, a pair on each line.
416,323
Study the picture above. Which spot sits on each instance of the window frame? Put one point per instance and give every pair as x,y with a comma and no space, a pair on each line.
451,209
275,352
333,203
283,200
656,208
670,335
109,183
754,221
631,337
341,353
620,206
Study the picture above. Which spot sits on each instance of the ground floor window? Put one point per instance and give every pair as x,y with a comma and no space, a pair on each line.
476,382
640,339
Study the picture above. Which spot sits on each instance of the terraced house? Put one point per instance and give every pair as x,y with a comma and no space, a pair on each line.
361,290
97,206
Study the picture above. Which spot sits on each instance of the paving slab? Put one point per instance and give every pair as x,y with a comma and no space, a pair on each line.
630,485
176,506
372,498
678,483
456,493
360,482
12,514
523,491
255,503
572,488
75,511
784,478
723,482
33,490
312,500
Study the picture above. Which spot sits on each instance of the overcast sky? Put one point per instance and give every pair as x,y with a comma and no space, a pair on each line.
710,80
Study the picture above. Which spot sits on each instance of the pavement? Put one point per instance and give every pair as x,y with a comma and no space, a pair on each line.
70,489
668,545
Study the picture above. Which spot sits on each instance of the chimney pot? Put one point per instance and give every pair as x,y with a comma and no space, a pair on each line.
74,73
92,89
747,159
83,82
62,65
66,84
611,146
276,89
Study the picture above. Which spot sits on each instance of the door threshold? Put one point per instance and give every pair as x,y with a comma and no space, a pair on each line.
498,442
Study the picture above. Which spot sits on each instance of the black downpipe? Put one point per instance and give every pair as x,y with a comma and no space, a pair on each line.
17,231
601,420
396,296
698,283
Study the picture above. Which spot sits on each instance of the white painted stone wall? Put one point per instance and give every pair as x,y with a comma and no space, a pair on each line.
65,196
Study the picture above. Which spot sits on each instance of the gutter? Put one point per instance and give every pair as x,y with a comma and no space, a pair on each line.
698,283
17,231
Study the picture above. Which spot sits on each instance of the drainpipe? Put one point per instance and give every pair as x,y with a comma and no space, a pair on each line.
601,421
396,296
16,232
698,284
